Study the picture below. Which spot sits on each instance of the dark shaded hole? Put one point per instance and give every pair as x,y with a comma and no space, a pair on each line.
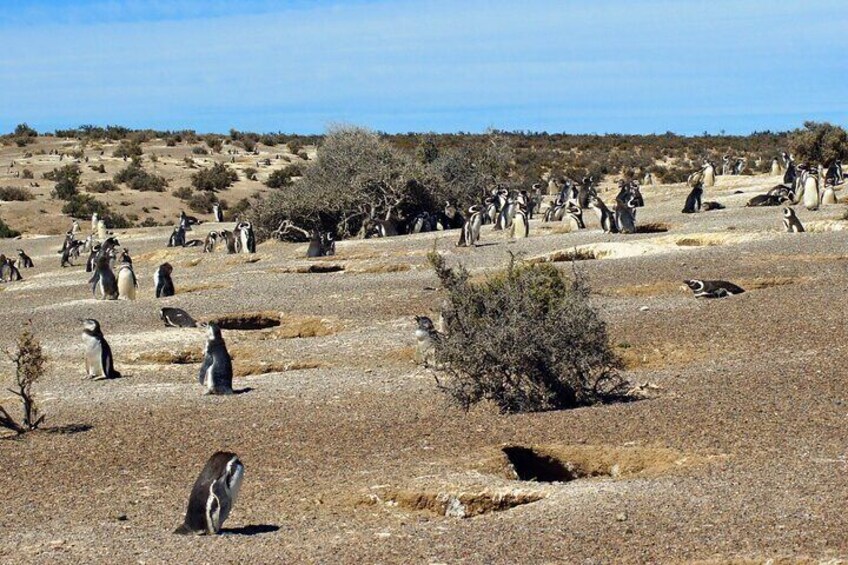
251,530
319,268
247,322
652,228
532,466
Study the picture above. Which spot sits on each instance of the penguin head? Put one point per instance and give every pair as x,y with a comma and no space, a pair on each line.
788,212
91,325
166,268
213,332
424,323
695,284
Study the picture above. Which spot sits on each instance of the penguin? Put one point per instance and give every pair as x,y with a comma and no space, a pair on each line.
693,201
127,282
316,245
177,238
99,363
217,212
75,228
709,174
791,221
104,285
92,255
25,261
810,184
775,167
247,238
162,281
230,240
606,217
712,289
102,234
210,241
470,234
828,196
125,257
213,495
329,244
8,271
625,214
216,372
712,205
177,318
187,221
426,338
94,221
520,225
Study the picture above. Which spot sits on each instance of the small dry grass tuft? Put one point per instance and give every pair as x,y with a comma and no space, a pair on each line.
186,357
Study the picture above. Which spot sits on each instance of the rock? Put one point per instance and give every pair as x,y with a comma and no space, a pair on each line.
122,518
621,516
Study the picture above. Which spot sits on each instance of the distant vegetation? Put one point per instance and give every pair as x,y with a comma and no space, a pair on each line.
6,231
84,205
136,178
215,178
15,193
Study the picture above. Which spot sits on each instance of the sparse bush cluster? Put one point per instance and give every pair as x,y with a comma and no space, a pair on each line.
84,205
136,178
214,178
127,149
282,178
101,186
67,181
200,150
15,194
819,143
527,340
29,361
6,231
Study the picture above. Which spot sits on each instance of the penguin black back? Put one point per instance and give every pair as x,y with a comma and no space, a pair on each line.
213,495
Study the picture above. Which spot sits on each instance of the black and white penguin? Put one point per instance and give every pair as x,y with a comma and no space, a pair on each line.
247,238
426,337
8,271
162,281
217,212
104,285
791,221
98,355
713,289
625,213
470,234
187,221
24,260
316,244
177,238
607,219
520,224
177,318
213,495
210,241
216,372
229,239
693,201
127,282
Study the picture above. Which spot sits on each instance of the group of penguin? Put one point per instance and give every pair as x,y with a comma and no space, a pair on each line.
240,240
9,271
574,198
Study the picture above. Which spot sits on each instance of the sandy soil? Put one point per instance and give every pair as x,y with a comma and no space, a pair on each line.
352,455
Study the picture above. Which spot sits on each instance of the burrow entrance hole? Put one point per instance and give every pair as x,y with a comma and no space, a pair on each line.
576,254
530,465
248,321
652,228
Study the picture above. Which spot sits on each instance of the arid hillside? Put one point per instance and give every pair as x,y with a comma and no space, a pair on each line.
735,453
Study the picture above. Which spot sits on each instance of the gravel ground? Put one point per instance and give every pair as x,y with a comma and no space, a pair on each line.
747,390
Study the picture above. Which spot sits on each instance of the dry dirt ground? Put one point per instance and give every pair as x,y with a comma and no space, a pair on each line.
353,455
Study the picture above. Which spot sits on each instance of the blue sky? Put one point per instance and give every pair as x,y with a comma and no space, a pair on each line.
413,65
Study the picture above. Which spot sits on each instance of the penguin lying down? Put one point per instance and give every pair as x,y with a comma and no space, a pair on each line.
713,289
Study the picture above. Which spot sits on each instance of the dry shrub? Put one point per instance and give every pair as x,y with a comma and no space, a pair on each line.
527,340
29,368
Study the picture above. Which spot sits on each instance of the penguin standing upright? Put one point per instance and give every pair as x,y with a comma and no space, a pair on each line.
210,241
98,355
247,238
229,240
791,221
94,222
217,212
810,183
162,280
104,285
213,495
216,372
25,261
102,234
470,234
127,282
606,218
426,337
693,201
177,238
520,225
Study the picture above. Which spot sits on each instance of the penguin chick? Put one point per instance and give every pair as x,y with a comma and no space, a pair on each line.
99,363
426,337
213,495
713,289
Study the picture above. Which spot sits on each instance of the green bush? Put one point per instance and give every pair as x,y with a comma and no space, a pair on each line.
83,206
67,181
183,193
15,193
282,178
217,177
127,148
819,143
250,173
202,202
101,186
199,151
26,174
136,178
527,340
215,143
6,231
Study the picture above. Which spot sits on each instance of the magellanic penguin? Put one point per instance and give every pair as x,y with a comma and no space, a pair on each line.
713,289
127,283
213,495
98,355
247,238
812,196
216,372
102,233
177,318
178,237
94,222
24,260
791,221
229,240
104,285
162,281
520,227
470,234
607,219
426,337
210,241
693,201
217,213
